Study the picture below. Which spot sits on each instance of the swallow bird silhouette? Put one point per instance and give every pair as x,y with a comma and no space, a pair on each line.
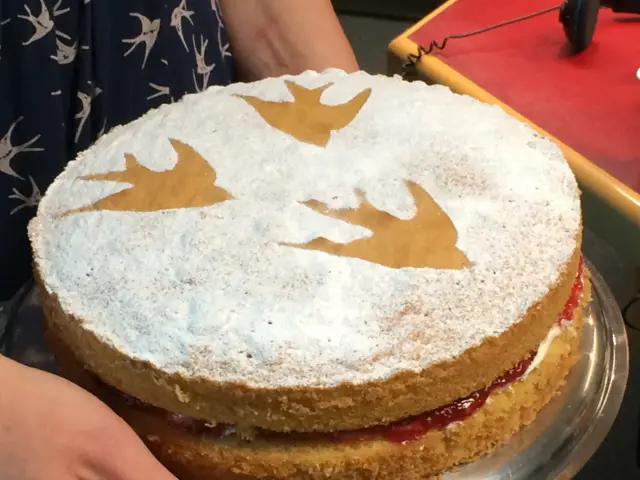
190,183
306,118
427,240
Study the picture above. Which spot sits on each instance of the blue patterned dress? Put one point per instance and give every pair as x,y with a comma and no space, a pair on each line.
72,69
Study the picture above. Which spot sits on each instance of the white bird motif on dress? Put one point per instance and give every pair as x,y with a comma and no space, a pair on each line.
224,48
148,36
85,111
103,129
201,65
160,91
8,151
66,53
43,23
57,12
178,14
31,201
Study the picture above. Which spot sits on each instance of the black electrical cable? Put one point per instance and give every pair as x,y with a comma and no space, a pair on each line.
414,58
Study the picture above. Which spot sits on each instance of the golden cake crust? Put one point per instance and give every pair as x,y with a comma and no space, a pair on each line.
346,406
506,411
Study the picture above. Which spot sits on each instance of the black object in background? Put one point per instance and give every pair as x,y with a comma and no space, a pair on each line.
578,19
407,10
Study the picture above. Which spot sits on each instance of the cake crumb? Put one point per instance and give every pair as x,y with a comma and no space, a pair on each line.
182,396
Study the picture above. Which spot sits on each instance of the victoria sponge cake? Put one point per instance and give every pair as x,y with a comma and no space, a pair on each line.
319,276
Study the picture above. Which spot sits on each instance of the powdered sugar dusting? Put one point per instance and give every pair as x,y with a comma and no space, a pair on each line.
211,292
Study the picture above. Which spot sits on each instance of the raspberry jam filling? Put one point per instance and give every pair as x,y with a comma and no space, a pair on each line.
402,431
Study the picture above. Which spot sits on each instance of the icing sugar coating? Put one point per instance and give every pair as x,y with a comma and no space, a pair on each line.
214,291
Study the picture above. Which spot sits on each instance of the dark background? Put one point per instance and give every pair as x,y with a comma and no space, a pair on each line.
410,10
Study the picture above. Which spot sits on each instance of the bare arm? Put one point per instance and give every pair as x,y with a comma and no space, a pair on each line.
275,37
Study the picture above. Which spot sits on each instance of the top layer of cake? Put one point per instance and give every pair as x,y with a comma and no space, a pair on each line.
210,237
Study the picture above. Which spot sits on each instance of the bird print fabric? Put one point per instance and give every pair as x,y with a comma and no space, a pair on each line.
72,69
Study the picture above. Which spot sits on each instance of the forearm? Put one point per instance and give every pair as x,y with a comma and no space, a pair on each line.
276,37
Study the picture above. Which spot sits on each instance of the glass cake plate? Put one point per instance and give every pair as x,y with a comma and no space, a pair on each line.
564,435
567,432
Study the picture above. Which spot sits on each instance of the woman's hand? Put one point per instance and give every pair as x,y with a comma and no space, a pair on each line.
52,429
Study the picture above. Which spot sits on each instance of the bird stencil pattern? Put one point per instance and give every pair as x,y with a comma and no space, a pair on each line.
426,240
306,118
145,192
86,66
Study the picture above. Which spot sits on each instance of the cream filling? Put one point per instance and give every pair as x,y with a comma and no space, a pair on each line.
544,347
555,331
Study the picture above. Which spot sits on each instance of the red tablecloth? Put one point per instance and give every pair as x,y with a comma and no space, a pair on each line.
590,102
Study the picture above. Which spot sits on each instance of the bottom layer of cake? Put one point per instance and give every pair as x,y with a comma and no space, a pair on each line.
206,457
